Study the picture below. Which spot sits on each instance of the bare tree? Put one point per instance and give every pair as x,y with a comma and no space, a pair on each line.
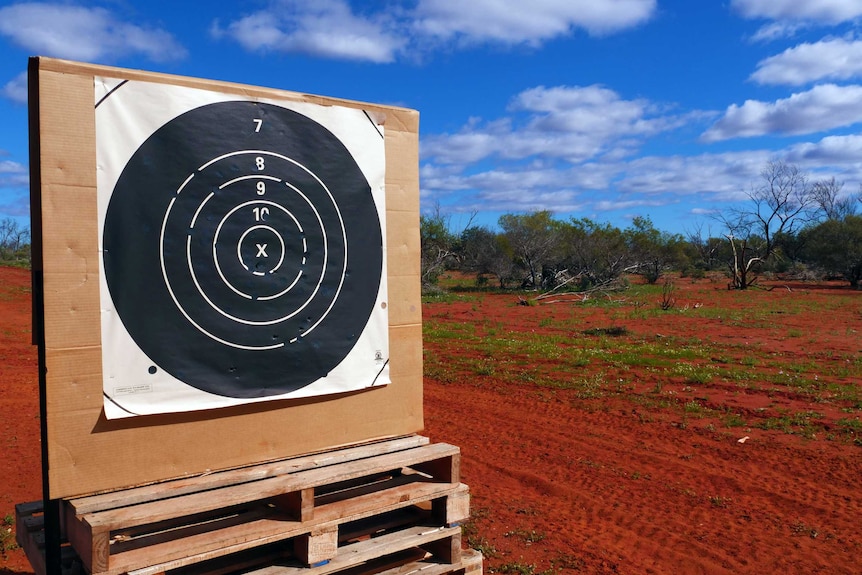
778,206
14,241
439,244
830,203
707,247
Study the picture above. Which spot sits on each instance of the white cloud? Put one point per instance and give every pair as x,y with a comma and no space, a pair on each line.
81,33
833,59
15,206
777,30
719,176
703,181
820,11
822,108
514,22
509,188
831,150
569,149
326,28
16,89
567,123
14,181
11,167
612,205
13,174
599,187
331,28
515,188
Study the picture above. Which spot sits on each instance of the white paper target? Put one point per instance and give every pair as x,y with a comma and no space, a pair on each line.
242,249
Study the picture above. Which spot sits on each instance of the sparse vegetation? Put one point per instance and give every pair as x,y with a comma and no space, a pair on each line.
14,243
788,225
471,533
7,535
609,359
515,568
527,535
668,301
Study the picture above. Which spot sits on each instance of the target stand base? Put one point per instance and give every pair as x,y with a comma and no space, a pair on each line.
385,506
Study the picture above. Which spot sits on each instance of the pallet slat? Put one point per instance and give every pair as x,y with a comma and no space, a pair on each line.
215,480
160,510
361,552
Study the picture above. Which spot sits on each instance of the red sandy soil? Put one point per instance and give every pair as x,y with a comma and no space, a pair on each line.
21,475
594,486
561,484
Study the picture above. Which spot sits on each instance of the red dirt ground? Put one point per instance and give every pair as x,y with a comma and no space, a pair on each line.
595,486
606,486
21,475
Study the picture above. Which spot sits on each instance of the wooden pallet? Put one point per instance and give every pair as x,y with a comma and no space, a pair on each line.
403,552
318,514
30,536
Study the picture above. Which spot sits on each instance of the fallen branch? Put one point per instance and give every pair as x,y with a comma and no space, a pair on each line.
605,288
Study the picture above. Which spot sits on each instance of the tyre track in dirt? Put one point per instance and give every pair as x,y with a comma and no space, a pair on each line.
596,497
650,495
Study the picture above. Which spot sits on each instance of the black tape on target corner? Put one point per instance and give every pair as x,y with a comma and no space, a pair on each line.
242,249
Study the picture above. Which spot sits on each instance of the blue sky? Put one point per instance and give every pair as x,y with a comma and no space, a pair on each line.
601,109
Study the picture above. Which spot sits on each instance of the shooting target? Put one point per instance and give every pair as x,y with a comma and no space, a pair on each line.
242,249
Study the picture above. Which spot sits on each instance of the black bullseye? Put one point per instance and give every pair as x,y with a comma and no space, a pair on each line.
243,249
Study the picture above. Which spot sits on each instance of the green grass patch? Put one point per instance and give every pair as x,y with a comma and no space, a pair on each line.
10,292
693,373
7,535
609,359
804,423
734,420
526,535
514,568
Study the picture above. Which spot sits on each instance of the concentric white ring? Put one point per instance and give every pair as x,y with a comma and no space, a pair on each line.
230,285
190,267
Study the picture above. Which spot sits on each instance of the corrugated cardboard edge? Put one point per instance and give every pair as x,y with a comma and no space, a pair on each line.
85,453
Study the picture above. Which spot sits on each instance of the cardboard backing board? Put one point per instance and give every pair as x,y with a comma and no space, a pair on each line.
84,451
